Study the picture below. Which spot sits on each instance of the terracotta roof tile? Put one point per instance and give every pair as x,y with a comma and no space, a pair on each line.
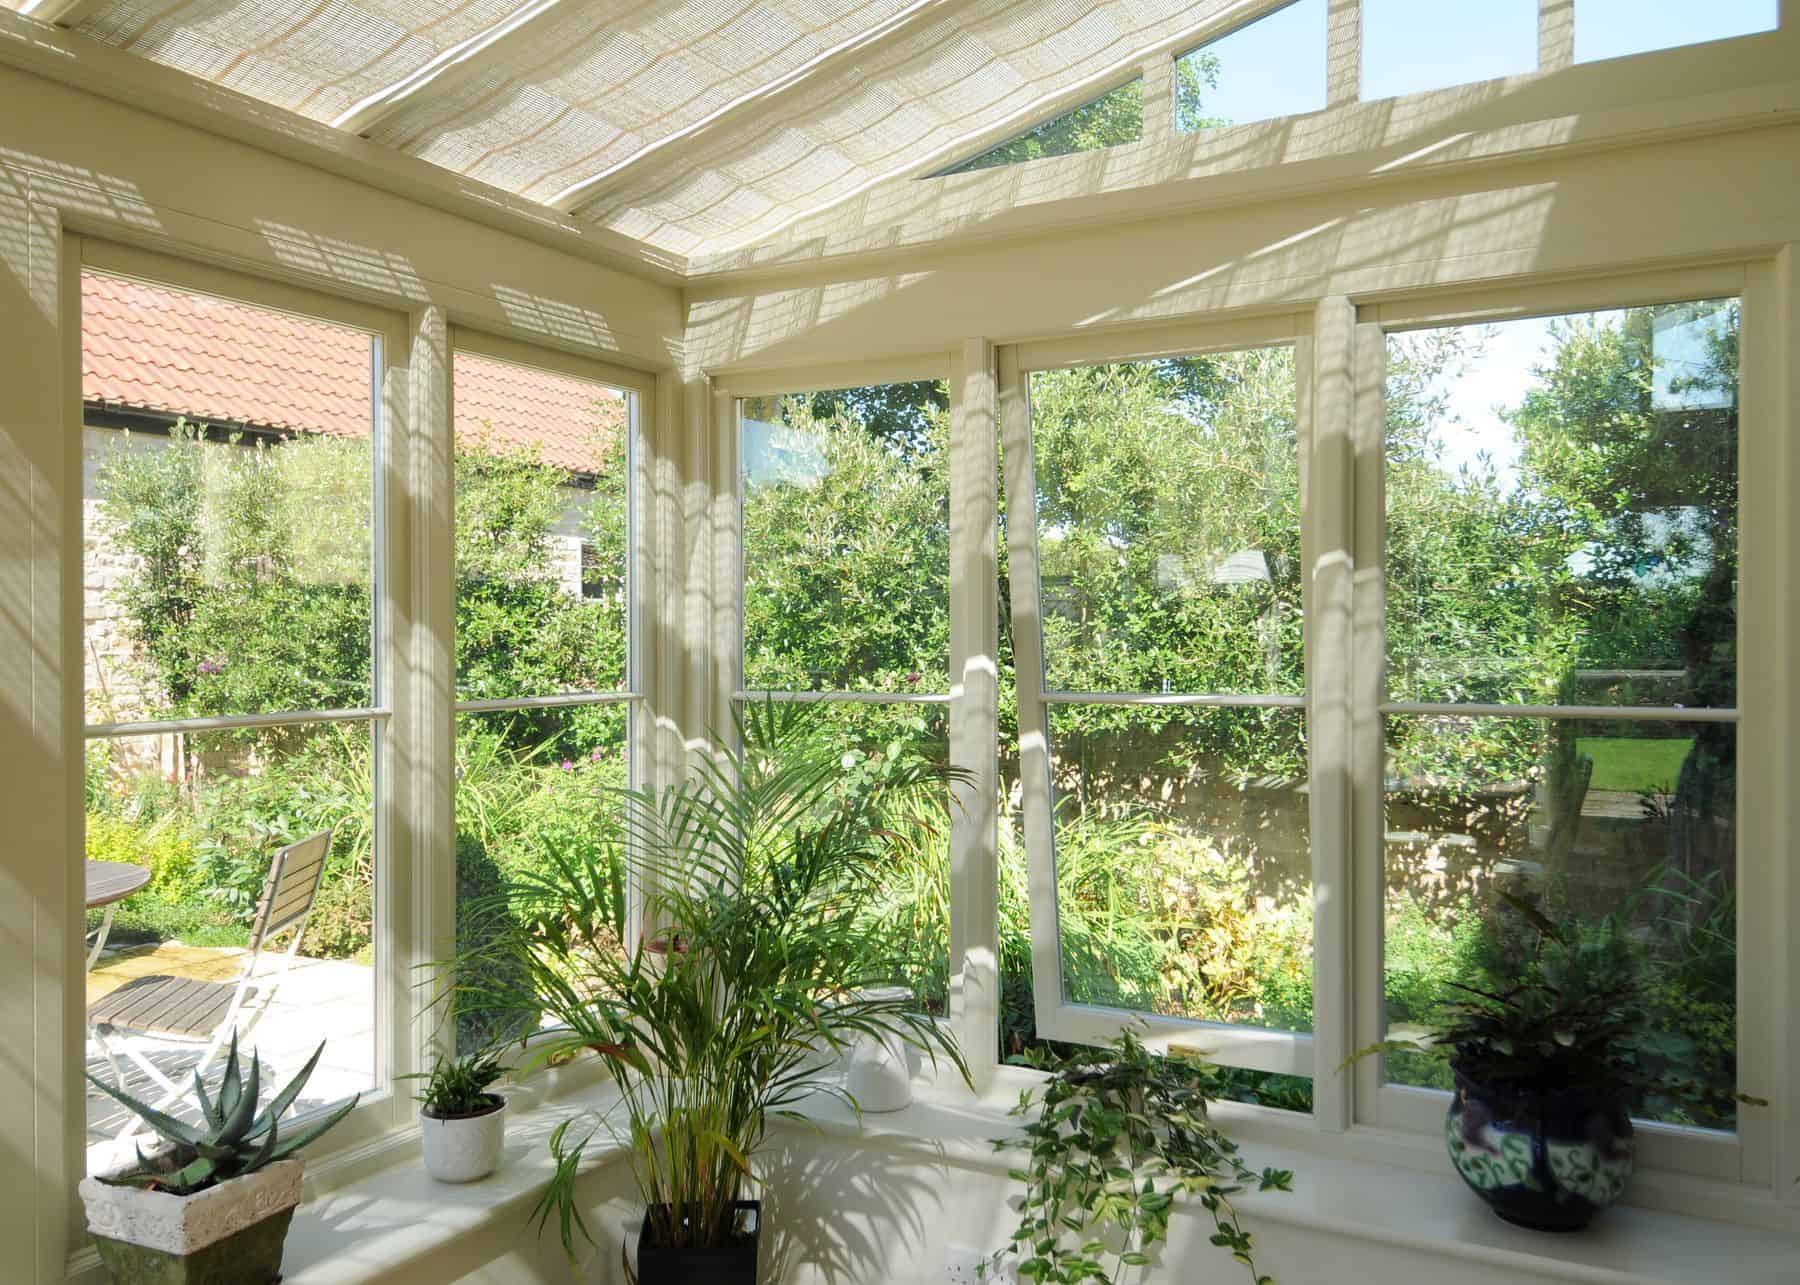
149,347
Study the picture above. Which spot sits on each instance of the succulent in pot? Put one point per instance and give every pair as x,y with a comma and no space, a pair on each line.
462,1124
212,1201
1548,1072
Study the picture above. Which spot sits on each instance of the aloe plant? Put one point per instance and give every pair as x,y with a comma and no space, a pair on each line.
233,1139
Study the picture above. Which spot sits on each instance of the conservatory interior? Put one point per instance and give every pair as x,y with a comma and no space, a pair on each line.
1127,641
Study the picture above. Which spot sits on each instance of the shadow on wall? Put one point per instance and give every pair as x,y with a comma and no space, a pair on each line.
848,1216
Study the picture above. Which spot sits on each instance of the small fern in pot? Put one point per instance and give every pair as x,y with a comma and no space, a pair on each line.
462,1124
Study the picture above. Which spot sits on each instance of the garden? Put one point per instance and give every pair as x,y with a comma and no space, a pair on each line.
1596,566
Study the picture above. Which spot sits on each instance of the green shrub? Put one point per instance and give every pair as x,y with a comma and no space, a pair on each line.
482,920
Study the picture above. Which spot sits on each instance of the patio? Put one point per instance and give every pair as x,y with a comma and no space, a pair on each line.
330,999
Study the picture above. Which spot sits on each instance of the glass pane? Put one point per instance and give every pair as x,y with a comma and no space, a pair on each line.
910,920
1183,866
227,506
1562,511
1168,524
1623,825
1409,46
1273,67
1113,118
532,785
194,822
847,539
542,532
1613,28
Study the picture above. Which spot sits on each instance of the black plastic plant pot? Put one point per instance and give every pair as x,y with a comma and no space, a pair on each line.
1547,1159
730,1264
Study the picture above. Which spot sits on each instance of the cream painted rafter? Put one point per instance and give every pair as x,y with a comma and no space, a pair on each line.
64,13
746,110
455,66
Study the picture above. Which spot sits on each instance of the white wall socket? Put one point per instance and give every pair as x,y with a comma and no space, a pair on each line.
962,1266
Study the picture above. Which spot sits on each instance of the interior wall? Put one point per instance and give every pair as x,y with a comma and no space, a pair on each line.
72,162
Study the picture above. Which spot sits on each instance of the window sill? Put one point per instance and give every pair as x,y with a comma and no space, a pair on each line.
374,1216
1383,1188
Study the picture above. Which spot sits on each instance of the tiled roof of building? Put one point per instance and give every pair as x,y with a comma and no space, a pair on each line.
147,347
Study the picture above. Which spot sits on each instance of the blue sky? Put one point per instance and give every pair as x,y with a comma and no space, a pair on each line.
1499,377
1276,66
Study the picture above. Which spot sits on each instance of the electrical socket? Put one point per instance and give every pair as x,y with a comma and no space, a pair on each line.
962,1266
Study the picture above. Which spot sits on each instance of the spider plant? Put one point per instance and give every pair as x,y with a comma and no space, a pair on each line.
764,869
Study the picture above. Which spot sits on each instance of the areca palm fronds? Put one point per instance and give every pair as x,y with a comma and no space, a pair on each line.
757,878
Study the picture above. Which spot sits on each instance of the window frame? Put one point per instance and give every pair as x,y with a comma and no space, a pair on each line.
969,695
639,391
1747,1155
1255,1048
383,1109
1340,358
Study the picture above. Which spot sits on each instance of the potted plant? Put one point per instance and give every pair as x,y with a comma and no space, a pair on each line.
462,1126
766,871
1549,1070
1117,1135
213,1201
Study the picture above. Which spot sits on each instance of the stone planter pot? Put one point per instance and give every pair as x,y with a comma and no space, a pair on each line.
464,1148
231,1234
1549,1161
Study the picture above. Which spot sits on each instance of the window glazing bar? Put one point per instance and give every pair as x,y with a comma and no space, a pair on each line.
1567,713
851,698
226,723
544,702
1223,699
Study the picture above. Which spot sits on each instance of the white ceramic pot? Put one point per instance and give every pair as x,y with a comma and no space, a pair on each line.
878,1072
184,1225
465,1149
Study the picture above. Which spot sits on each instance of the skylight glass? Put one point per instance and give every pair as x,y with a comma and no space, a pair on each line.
1409,46
1615,28
1272,67
1115,117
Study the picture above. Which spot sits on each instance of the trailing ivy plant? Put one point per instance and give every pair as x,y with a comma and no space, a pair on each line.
1117,1134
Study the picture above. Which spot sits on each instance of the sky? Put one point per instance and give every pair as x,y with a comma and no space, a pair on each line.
1276,65
1501,375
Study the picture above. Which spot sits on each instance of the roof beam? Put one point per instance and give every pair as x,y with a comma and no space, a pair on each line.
64,13
454,66
743,109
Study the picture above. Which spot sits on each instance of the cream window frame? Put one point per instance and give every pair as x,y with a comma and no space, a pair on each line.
639,389
398,870
1746,1156
1262,1049
970,691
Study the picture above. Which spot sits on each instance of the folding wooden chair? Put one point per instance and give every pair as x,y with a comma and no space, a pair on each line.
187,1008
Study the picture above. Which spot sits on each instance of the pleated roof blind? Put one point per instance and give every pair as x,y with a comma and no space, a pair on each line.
691,125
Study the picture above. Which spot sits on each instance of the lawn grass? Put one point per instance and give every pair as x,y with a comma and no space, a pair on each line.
1635,764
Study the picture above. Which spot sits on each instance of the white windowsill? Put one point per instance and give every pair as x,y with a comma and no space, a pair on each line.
380,1215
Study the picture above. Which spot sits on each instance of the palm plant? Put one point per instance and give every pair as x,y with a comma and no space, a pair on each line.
756,879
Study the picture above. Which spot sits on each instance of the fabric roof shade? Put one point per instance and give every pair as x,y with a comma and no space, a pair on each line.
688,125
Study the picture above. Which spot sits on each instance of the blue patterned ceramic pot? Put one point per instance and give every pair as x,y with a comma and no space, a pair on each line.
1545,1160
